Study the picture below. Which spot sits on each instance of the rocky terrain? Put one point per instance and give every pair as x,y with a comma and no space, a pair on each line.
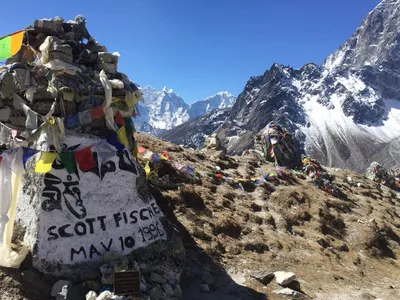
235,239
345,112
193,133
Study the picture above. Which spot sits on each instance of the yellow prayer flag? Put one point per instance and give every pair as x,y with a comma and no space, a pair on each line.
147,169
122,137
45,162
132,100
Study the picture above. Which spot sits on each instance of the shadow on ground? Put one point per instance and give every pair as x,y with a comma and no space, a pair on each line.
201,268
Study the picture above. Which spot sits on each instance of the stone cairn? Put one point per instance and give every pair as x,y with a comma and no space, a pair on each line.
58,72
61,71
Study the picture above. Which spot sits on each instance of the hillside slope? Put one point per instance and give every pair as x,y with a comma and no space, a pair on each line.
339,249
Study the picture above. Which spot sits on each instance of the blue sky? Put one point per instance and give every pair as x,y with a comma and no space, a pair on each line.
200,47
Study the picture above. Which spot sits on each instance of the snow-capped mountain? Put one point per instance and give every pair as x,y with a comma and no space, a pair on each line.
160,111
219,100
346,112
164,110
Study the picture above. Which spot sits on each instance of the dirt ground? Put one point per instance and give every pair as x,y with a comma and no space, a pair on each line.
339,249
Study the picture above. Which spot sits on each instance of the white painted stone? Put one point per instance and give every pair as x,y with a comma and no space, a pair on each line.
284,278
72,219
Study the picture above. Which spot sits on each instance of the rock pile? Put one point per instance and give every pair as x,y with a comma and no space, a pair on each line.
63,83
61,70
97,283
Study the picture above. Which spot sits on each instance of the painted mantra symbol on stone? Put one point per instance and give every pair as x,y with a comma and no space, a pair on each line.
72,193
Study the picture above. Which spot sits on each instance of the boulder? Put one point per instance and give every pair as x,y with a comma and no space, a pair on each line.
157,278
157,293
284,278
204,288
290,292
32,281
63,294
168,289
57,287
76,220
178,292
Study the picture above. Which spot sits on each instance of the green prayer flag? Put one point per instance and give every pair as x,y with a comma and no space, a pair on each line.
69,162
11,44
130,127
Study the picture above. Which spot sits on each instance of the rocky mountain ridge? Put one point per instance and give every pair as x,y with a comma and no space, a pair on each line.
345,113
164,110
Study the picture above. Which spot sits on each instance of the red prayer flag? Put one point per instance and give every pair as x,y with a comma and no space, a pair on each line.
165,155
119,120
85,159
141,149
97,112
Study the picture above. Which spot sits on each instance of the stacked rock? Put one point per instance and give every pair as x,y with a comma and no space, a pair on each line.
62,71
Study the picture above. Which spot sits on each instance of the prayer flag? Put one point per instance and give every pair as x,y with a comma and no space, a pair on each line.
45,162
122,137
104,151
147,169
85,117
190,170
141,149
11,44
119,120
69,162
27,154
164,155
219,176
156,158
97,112
148,154
113,140
130,127
85,159
72,121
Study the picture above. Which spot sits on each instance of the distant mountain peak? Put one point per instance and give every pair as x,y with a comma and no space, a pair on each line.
167,90
165,109
221,94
